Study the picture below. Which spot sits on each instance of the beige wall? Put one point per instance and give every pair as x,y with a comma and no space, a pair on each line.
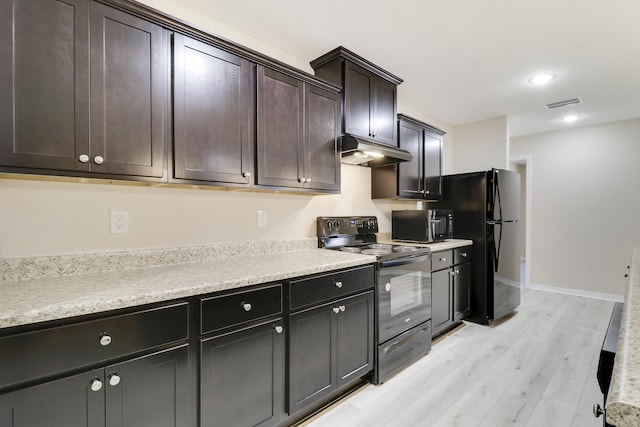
481,146
584,206
49,218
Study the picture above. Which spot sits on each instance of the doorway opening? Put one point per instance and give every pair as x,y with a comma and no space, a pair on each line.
522,165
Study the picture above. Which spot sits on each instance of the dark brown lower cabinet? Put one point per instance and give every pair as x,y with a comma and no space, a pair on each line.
149,391
450,288
441,300
242,377
330,346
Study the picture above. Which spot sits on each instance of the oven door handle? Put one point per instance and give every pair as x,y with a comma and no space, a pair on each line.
404,261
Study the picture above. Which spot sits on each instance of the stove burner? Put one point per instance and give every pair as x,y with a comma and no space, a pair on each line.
404,248
350,249
377,252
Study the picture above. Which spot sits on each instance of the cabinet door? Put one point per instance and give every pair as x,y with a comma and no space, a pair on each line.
242,382
129,84
354,337
357,106
384,111
213,113
461,291
44,75
68,402
432,165
440,299
410,173
321,151
312,355
150,391
280,129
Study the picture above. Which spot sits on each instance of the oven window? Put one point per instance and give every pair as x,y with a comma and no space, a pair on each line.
405,293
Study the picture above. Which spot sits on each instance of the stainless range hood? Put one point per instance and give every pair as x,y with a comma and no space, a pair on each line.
359,151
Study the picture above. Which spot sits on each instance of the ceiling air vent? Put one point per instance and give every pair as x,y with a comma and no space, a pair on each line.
559,104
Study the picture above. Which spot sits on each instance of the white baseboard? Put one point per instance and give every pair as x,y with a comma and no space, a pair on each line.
576,292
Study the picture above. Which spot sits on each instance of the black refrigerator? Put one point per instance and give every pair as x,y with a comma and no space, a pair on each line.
486,209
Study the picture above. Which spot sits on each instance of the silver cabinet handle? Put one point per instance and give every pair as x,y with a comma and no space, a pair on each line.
452,273
597,410
279,329
443,259
308,180
342,308
114,379
457,271
98,160
463,254
302,180
83,158
96,384
105,339
336,310
246,174
387,287
338,284
246,306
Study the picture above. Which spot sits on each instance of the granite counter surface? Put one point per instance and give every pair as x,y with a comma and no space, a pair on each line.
50,298
623,401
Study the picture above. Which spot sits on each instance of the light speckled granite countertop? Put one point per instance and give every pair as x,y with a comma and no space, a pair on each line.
623,401
36,290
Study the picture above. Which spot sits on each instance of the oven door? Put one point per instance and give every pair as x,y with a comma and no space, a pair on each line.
404,295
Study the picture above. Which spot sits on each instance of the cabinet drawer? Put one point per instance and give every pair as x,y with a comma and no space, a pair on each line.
440,260
240,307
462,255
329,286
55,350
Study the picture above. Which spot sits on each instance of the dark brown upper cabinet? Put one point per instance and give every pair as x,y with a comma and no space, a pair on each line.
213,114
84,92
419,178
369,94
298,127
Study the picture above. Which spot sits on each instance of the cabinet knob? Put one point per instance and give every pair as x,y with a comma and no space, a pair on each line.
452,273
342,308
463,254
105,339
338,284
336,310
457,271
98,160
597,410
443,259
114,379
387,287
426,191
302,180
246,306
279,329
96,384
308,180
83,158
246,174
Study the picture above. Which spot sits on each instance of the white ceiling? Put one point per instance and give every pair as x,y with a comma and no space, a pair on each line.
464,61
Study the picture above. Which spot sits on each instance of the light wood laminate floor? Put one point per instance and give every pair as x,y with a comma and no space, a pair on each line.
535,368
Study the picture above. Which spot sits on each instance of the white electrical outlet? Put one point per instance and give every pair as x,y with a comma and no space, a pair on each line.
119,222
262,218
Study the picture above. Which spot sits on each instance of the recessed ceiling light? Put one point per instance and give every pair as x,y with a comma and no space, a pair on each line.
541,79
570,118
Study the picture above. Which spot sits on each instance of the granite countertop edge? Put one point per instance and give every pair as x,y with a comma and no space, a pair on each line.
623,401
24,302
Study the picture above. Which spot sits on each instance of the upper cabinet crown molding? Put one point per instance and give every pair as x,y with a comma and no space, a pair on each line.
342,52
422,124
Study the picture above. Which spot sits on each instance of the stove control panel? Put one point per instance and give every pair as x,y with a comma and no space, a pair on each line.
331,226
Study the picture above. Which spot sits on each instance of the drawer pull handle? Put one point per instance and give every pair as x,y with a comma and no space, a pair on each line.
96,384
336,310
246,306
105,339
279,329
443,259
338,284
342,308
114,379
463,254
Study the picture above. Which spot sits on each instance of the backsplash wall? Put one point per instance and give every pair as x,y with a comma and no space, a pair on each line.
39,218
